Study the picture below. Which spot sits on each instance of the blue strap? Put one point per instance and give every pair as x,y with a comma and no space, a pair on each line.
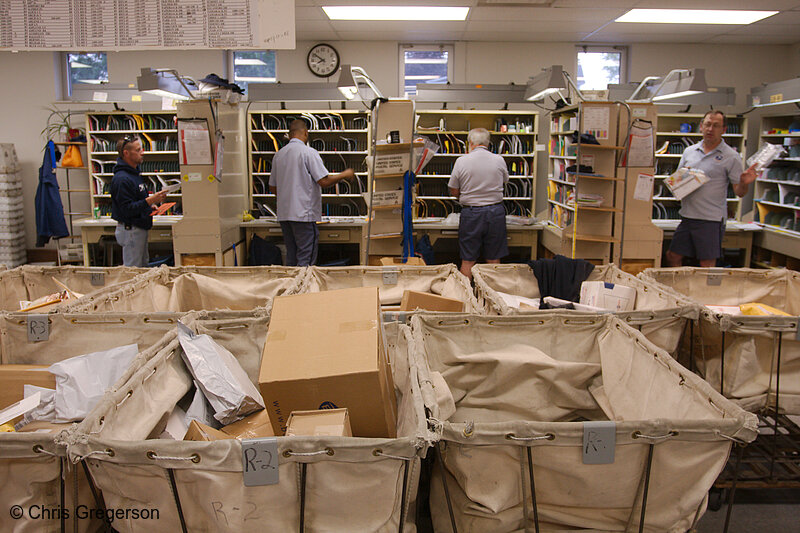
52,148
409,180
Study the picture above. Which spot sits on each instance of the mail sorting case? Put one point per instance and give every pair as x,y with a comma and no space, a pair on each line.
392,281
754,360
29,282
522,393
194,288
659,313
332,484
31,464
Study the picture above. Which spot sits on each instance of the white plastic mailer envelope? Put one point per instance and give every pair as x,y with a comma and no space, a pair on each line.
220,376
81,381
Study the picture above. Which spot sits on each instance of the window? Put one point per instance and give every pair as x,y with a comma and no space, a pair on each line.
424,64
599,66
90,68
254,66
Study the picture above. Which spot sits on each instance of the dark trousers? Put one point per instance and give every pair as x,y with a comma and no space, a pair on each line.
301,240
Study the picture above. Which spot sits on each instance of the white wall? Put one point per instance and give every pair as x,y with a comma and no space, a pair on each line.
24,104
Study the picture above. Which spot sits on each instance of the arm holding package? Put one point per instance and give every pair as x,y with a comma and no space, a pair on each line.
220,376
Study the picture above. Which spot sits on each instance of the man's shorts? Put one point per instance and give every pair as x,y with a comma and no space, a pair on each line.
482,227
701,239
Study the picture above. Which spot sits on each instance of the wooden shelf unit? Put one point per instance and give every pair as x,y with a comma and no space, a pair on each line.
341,137
513,133
159,135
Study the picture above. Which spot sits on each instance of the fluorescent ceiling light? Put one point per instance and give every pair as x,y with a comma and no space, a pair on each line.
248,61
395,13
694,16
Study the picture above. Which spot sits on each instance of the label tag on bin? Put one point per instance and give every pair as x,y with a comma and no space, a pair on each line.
260,461
38,327
97,279
390,276
599,441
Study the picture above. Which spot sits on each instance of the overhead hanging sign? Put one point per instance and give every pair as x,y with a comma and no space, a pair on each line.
104,25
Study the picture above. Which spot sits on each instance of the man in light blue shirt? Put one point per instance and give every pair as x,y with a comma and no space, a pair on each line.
704,211
297,179
477,180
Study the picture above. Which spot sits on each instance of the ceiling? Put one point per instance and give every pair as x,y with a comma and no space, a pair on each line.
580,21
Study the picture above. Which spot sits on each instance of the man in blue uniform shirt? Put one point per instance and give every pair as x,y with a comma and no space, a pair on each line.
131,206
297,179
704,211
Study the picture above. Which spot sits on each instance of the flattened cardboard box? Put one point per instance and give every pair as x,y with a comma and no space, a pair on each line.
430,302
13,378
319,423
325,350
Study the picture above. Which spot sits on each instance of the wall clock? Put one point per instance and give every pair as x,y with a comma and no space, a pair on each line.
323,60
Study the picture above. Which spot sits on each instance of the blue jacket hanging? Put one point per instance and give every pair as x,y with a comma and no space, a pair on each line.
49,210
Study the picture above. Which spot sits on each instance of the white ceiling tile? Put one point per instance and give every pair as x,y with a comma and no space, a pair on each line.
511,37
530,28
317,36
309,13
400,36
544,14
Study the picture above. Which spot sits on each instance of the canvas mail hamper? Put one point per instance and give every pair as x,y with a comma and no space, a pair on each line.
34,470
181,289
29,282
326,483
659,313
528,394
759,365
392,281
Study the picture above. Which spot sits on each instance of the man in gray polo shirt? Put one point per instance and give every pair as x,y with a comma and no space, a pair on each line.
704,211
477,181
297,179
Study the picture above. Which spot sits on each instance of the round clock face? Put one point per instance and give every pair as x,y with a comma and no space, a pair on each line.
323,60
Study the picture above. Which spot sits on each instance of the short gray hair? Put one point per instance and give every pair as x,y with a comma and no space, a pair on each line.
478,137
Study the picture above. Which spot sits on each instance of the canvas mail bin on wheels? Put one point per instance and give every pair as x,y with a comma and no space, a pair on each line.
393,281
324,483
29,282
34,472
524,404
659,313
759,366
182,289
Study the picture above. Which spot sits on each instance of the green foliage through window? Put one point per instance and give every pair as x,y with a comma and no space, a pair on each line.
89,68
254,66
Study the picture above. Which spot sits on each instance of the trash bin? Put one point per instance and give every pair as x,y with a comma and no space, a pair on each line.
187,288
392,281
659,313
759,366
325,483
605,429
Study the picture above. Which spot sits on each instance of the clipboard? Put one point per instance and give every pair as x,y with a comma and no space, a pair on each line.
160,210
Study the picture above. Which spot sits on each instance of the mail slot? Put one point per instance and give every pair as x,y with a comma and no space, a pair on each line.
334,235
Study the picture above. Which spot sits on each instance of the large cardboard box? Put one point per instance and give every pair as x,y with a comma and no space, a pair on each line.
326,350
430,302
319,423
201,432
13,378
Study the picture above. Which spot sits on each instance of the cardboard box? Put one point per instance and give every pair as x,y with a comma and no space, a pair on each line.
326,350
608,296
430,302
201,432
13,378
319,423
251,427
